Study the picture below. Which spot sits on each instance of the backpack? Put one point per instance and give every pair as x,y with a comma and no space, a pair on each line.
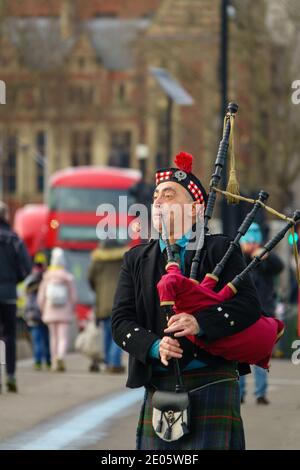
32,313
57,293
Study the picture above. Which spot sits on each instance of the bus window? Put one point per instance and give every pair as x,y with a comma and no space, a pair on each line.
85,199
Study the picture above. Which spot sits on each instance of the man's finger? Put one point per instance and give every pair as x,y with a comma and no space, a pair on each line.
173,356
164,361
184,332
176,317
171,353
171,341
173,344
177,326
168,341
172,319
165,357
170,349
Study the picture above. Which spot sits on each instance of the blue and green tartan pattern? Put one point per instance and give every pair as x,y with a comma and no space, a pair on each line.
216,423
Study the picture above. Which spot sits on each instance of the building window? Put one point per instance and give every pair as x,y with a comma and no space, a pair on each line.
10,165
40,160
81,62
120,149
121,92
81,95
13,95
81,148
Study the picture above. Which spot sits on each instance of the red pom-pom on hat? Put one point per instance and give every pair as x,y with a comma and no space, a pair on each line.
184,161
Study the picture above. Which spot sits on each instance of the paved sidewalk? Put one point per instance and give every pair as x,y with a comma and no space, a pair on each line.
95,411
45,394
274,426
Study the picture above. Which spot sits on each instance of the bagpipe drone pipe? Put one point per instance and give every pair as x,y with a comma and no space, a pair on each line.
178,293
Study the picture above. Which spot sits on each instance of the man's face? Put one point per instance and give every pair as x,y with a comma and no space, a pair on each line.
172,202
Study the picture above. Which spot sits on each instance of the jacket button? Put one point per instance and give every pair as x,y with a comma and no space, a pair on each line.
128,336
124,344
226,315
232,323
219,309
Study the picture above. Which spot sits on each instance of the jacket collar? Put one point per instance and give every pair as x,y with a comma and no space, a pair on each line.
183,242
153,265
152,268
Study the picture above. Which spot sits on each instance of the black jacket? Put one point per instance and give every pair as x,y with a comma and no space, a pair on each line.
15,263
136,305
263,277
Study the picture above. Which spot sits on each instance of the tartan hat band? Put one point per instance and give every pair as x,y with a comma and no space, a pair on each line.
183,175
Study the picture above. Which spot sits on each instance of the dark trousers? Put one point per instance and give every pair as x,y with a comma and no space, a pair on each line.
40,343
8,324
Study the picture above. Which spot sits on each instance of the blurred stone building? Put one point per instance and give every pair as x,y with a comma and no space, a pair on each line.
79,91
70,80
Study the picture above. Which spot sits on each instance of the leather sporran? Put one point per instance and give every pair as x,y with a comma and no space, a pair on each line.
171,415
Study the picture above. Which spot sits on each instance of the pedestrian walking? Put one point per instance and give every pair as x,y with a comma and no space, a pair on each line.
103,277
56,299
33,316
15,265
263,277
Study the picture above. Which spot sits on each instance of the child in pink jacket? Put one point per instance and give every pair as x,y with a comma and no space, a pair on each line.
56,299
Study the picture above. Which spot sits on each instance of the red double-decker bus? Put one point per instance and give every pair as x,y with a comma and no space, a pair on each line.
74,196
70,219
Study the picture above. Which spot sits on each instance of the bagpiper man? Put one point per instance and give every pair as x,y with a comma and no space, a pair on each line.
141,330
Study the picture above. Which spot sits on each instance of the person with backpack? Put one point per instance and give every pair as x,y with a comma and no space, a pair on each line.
106,262
15,265
56,299
33,316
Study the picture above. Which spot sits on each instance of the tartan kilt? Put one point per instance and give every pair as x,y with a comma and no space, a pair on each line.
215,422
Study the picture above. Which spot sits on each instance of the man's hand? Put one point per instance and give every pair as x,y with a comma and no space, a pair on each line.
182,324
168,348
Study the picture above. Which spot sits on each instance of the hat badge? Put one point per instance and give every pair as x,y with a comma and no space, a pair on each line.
180,175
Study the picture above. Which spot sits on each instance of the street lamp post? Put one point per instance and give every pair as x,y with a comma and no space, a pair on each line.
169,129
229,215
223,104
45,172
143,190
41,160
142,153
